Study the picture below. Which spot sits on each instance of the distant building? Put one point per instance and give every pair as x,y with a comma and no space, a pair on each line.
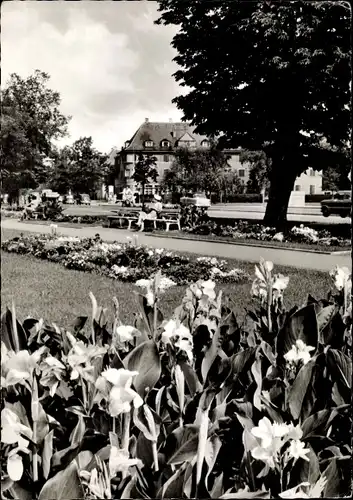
162,139
310,182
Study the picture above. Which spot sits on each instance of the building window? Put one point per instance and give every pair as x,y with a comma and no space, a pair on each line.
241,172
312,172
205,143
165,144
166,158
297,187
148,144
312,189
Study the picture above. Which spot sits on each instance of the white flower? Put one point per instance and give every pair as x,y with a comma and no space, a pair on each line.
143,283
158,251
176,334
80,358
52,373
150,253
11,431
17,368
295,492
207,288
342,278
278,237
120,395
166,283
280,283
297,450
299,352
119,461
266,431
126,333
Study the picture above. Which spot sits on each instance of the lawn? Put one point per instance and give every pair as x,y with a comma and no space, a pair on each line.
48,290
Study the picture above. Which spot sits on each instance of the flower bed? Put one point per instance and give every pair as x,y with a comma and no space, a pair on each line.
126,262
256,232
183,407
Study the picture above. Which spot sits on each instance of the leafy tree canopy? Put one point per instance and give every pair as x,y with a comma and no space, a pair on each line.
30,121
271,76
79,167
197,170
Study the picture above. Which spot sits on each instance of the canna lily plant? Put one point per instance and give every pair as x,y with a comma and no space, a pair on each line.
195,405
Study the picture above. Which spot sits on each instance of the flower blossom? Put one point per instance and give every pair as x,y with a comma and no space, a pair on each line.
115,386
11,431
17,367
155,285
313,490
119,461
272,438
126,333
299,352
81,358
177,335
52,373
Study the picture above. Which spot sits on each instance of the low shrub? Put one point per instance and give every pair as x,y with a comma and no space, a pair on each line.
244,230
316,198
193,406
126,262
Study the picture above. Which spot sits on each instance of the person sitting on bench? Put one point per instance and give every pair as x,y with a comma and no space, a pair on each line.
31,207
152,214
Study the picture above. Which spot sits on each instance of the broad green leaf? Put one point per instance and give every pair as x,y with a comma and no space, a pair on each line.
211,354
65,485
78,432
185,445
257,374
217,487
299,388
241,360
12,333
173,487
316,423
191,378
145,360
331,473
47,454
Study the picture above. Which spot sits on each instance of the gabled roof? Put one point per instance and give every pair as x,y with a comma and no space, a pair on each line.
159,131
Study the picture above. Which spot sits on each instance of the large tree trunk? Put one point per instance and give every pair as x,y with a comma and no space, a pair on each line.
282,180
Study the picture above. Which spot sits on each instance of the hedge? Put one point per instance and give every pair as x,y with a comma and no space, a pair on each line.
316,198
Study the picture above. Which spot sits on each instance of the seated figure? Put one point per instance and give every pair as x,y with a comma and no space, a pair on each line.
152,214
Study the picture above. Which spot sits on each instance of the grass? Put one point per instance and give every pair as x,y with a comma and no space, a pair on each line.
47,290
253,242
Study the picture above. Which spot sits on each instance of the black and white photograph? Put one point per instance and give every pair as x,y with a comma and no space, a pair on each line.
176,233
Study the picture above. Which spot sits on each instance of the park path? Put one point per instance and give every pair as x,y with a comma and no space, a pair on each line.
292,258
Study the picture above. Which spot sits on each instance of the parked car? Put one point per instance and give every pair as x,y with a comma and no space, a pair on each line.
339,204
198,200
69,199
84,199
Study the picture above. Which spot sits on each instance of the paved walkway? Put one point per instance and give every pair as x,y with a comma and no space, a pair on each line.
292,258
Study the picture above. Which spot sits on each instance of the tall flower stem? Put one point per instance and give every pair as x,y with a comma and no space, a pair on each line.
269,304
114,425
84,395
126,431
35,454
155,311
155,455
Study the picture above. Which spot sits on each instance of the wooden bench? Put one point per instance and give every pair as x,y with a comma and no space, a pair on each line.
120,216
168,218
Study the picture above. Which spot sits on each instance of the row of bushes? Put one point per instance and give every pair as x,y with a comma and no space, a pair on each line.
125,262
193,406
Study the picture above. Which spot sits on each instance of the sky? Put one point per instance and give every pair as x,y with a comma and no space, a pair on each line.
112,66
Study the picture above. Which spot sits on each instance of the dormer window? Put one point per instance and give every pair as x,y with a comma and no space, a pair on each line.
148,144
205,143
165,143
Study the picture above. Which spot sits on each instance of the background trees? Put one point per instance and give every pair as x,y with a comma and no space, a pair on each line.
79,167
145,172
269,76
204,170
260,169
30,121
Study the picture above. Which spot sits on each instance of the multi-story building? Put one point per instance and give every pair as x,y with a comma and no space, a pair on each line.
162,139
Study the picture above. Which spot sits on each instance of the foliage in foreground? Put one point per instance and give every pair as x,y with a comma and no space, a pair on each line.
126,262
193,406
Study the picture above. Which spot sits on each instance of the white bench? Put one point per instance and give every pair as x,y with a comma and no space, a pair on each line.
167,221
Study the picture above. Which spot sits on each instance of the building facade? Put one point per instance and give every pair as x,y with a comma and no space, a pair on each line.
162,139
